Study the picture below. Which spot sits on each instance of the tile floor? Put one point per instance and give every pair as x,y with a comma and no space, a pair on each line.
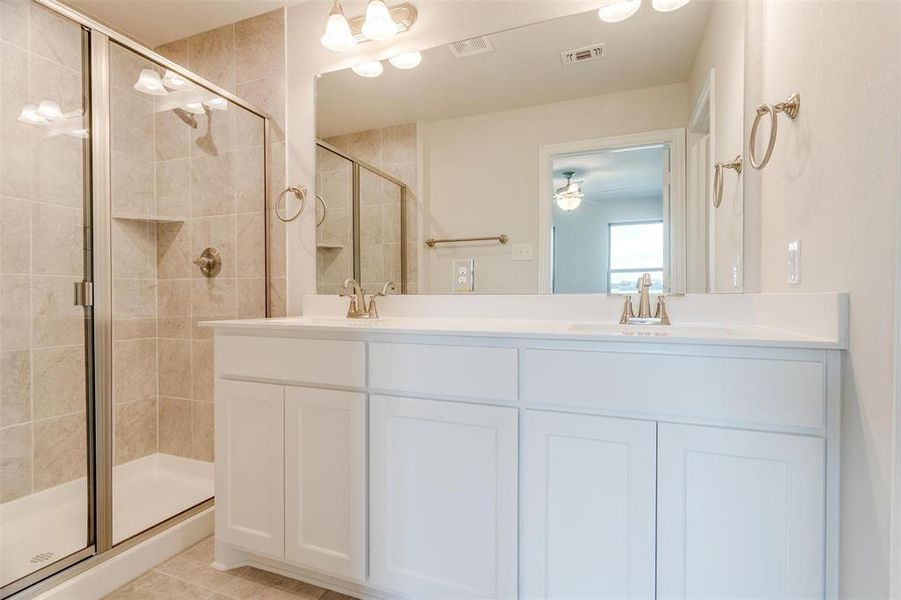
188,576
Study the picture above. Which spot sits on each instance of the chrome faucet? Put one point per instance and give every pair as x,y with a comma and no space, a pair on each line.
661,316
359,308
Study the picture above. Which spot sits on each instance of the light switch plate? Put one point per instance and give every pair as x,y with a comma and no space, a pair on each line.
522,252
794,262
464,275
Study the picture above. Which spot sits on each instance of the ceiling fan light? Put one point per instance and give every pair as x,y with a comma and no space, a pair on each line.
370,69
378,24
338,36
619,10
668,5
568,202
407,60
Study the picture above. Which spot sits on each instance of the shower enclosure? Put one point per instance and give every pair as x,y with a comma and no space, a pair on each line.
133,206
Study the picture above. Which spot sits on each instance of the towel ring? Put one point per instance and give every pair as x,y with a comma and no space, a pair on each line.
718,167
324,210
790,107
300,193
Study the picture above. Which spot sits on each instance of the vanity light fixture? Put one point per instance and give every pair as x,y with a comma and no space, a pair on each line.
372,68
149,82
50,110
31,115
338,35
569,196
407,60
216,103
174,81
618,10
378,24
195,108
81,134
668,5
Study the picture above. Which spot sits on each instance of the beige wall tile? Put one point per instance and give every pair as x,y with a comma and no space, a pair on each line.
213,135
251,298
134,308
399,144
212,185
211,55
13,78
213,298
60,450
15,230
172,135
55,37
132,185
15,462
173,250
203,430
277,246
278,297
366,146
175,308
268,95
260,46
217,232
133,249
57,240
391,223
57,322
16,158
176,51
134,430
15,387
371,225
59,171
134,370
247,128
175,427
15,312
131,124
250,184
173,188
125,67
251,248
14,21
49,80
59,381
202,362
174,367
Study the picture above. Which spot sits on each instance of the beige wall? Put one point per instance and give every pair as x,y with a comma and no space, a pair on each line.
42,393
833,183
499,193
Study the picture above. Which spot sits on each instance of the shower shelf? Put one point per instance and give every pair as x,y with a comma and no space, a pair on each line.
150,218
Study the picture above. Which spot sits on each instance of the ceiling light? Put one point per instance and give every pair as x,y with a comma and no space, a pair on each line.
407,60
31,115
338,35
195,108
216,103
620,10
174,81
569,196
149,82
668,5
378,24
50,110
372,68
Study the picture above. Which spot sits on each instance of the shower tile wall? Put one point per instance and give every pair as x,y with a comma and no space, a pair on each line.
42,402
394,151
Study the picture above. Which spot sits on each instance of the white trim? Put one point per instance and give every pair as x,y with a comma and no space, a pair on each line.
547,152
895,539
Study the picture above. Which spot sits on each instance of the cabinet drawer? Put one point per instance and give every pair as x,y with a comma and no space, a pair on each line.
747,390
467,371
292,360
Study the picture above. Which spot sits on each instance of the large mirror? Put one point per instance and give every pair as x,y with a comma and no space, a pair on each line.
567,156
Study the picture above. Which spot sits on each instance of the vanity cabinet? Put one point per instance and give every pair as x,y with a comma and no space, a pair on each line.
443,498
588,506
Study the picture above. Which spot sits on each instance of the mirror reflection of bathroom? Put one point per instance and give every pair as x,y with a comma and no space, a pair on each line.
477,133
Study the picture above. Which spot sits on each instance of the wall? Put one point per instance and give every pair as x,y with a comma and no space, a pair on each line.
581,240
42,384
488,201
833,183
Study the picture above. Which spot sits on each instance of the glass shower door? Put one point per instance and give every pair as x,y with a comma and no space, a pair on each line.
45,438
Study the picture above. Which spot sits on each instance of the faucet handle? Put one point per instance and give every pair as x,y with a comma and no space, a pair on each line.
628,312
661,312
389,286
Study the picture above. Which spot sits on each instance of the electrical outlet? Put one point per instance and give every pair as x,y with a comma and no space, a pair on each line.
464,275
522,252
794,262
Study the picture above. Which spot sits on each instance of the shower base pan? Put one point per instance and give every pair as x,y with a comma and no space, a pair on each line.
41,528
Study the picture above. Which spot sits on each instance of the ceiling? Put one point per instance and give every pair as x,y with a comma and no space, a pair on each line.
155,22
525,69
635,173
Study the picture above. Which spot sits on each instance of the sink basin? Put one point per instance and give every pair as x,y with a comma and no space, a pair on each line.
653,330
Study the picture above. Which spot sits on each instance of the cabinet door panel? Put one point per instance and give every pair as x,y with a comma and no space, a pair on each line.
740,514
443,498
325,478
588,501
250,466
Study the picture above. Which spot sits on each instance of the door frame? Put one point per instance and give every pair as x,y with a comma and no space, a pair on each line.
673,215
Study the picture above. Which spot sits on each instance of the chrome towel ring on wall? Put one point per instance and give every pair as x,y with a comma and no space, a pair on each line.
735,165
790,107
300,192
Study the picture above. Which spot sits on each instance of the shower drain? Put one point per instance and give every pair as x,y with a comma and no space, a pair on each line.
41,558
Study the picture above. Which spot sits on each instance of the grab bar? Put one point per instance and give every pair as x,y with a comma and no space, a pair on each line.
790,107
502,238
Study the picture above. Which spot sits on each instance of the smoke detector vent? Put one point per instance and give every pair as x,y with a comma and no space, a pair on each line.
580,55
471,47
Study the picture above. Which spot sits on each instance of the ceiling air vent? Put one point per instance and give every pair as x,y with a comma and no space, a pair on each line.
471,47
579,55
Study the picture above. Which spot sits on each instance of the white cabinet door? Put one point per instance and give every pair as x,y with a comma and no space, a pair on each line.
443,498
588,502
740,514
250,495
325,475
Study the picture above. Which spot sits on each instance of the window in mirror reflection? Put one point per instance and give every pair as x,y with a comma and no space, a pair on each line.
635,248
